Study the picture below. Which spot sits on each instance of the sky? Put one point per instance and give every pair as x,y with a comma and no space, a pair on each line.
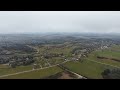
59,21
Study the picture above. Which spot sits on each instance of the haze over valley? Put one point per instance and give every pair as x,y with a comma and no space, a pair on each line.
59,45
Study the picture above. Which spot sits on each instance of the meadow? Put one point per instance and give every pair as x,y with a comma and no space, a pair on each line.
37,74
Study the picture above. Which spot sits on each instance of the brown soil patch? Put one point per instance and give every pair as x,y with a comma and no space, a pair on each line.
108,58
65,75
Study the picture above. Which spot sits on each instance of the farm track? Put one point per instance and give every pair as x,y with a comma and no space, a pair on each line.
105,64
32,70
78,75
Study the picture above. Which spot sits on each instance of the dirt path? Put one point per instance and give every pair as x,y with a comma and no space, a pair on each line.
105,64
32,70
78,75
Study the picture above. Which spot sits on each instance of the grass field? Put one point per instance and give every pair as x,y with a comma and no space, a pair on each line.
54,50
55,60
87,68
8,70
2,66
36,74
92,69
109,53
65,50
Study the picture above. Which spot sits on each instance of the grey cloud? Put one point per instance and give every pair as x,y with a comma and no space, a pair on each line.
59,21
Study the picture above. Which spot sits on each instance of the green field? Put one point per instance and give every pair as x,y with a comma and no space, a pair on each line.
112,52
91,69
36,74
107,53
65,50
55,60
2,66
54,50
8,70
87,68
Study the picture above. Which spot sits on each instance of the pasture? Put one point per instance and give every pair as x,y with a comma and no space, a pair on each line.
37,74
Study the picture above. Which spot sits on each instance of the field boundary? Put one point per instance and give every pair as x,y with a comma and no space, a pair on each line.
104,64
32,70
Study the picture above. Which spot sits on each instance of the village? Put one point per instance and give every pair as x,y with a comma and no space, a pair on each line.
73,50
79,51
49,52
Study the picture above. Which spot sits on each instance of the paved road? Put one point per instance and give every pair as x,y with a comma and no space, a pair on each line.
78,75
32,70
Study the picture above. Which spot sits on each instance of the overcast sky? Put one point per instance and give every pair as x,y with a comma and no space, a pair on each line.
59,21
